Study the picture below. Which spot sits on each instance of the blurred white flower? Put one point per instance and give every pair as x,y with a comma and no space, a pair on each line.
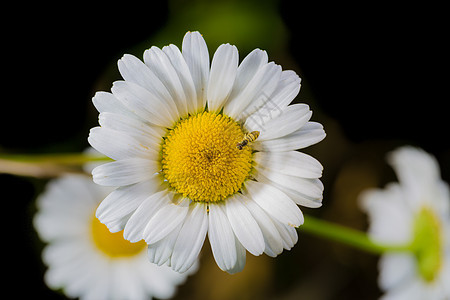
84,258
180,117
414,211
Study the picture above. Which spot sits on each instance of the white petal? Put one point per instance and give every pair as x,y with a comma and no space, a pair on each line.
71,274
222,76
99,289
195,52
290,163
107,102
247,70
296,195
160,282
118,224
310,134
409,290
244,225
160,64
288,234
147,133
60,252
309,187
418,171
184,74
125,200
241,258
118,145
145,104
221,238
44,222
191,238
160,252
256,93
275,203
395,268
388,209
124,172
272,238
290,119
134,229
286,90
412,162
70,195
165,220
135,71
125,282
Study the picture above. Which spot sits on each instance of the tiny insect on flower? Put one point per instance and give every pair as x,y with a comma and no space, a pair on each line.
248,138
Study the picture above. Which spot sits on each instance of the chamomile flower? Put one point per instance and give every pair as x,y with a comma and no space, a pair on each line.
415,211
84,258
206,149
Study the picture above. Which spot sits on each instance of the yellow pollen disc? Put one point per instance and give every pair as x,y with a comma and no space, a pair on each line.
200,159
113,244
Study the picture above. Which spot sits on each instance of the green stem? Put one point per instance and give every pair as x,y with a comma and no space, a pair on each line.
55,158
348,236
46,165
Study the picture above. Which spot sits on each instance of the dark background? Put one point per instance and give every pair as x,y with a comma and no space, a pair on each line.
372,73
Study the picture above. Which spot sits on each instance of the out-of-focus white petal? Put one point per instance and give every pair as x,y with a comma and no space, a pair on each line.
395,268
387,210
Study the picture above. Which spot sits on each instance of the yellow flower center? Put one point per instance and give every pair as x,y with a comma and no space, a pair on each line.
428,244
200,159
113,244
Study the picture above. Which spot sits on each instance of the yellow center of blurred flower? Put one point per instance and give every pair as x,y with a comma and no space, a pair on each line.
428,244
113,244
200,159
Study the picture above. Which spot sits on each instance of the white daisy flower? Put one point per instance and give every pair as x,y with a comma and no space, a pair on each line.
84,258
415,211
182,134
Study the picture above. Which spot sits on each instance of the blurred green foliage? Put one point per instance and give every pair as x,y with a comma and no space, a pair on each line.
246,24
